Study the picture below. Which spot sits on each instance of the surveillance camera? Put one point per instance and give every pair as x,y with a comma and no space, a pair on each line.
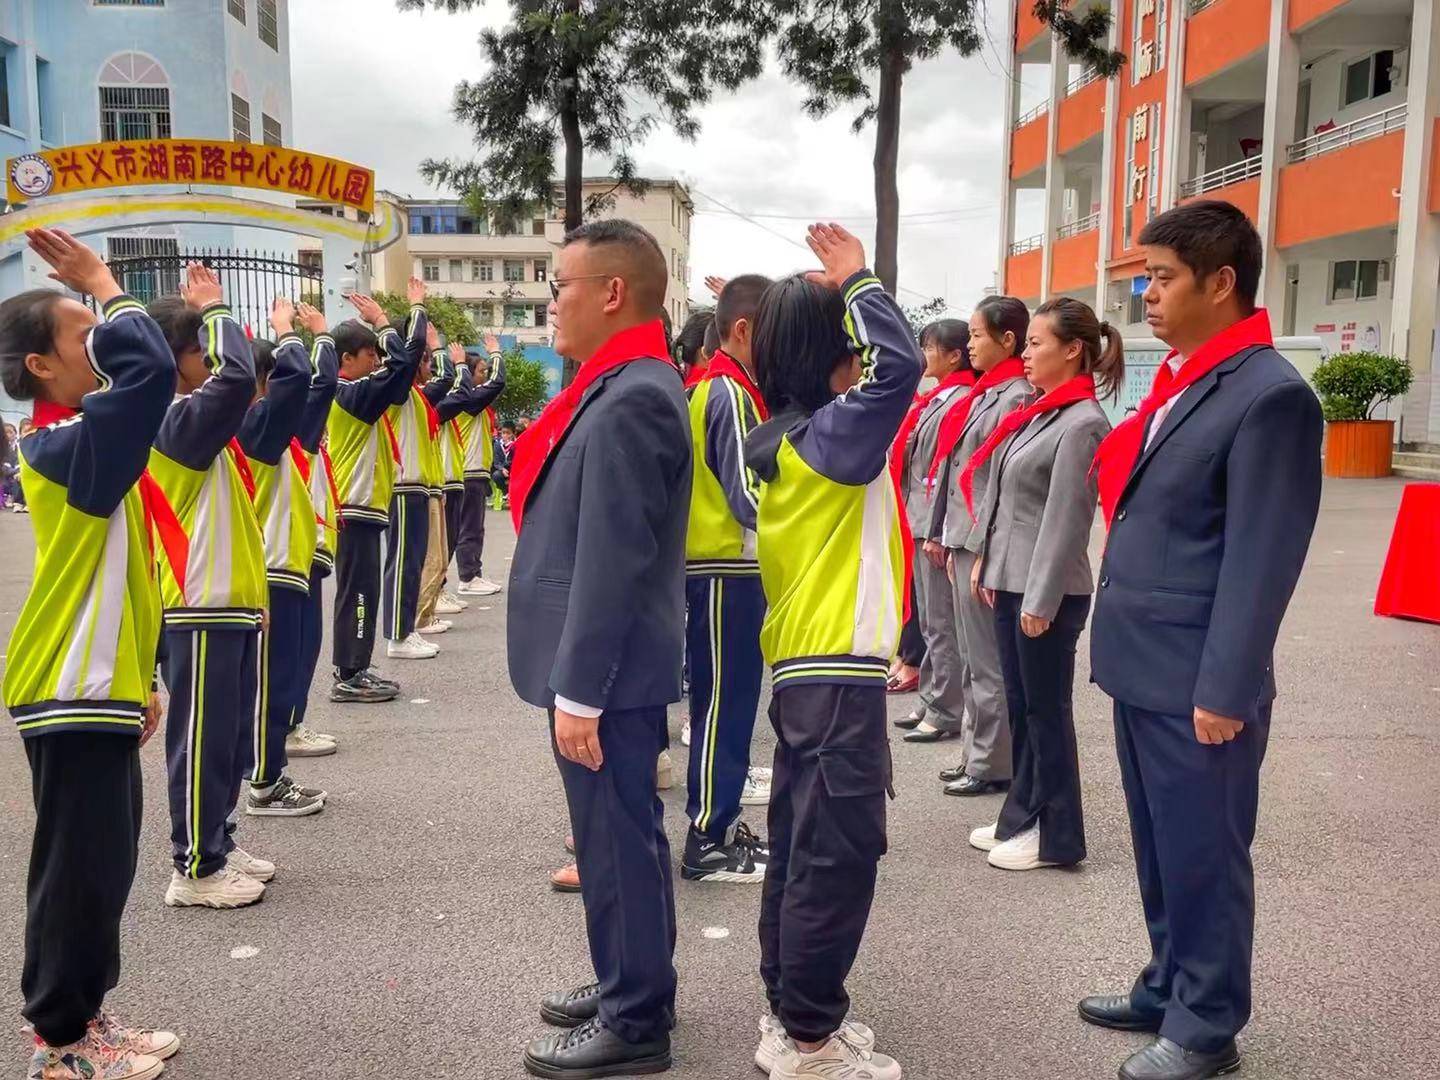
353,264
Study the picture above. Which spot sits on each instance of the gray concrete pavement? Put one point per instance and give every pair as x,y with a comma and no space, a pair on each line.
410,932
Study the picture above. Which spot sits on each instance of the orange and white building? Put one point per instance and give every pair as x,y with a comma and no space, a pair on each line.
1317,117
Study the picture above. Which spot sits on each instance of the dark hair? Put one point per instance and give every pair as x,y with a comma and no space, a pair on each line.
1074,320
27,325
1209,234
640,250
712,338
1005,315
948,335
691,339
738,300
263,350
799,341
351,336
179,322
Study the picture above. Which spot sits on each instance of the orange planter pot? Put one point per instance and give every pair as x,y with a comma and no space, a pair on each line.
1356,449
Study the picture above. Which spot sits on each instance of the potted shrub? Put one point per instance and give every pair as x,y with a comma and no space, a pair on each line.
1351,387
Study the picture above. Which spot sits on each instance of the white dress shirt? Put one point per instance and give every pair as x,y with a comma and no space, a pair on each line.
1158,416
574,708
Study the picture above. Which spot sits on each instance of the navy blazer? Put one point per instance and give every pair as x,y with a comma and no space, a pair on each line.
1207,543
597,584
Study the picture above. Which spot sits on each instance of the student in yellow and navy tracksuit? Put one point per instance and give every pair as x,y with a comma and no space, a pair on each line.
832,547
80,673
213,586
363,458
287,520
414,431
724,600
477,426
452,461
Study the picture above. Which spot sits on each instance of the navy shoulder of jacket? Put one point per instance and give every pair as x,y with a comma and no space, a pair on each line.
199,425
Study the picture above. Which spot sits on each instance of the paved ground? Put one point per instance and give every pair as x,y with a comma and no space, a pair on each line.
410,932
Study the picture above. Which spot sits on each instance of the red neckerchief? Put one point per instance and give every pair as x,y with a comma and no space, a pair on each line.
1067,393
722,363
237,455
693,376
533,448
494,419
394,442
1120,450
330,482
302,466
160,516
912,418
432,418
953,426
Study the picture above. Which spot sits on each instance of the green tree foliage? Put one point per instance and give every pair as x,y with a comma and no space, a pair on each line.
449,317
918,315
526,389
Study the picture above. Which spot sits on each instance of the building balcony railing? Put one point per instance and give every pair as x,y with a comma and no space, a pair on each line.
1034,114
1337,138
1085,78
1197,6
1224,176
1088,223
1030,243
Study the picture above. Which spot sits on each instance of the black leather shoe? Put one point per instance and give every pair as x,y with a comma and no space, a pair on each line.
1118,1012
1166,1060
908,721
973,785
593,1050
955,772
569,1008
938,735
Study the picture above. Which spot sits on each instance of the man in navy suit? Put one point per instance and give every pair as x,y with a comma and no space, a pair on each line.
1211,491
600,491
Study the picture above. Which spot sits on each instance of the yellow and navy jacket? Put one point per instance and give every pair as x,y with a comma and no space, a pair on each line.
474,420
418,468
360,446
282,495
324,380
724,492
830,540
222,582
452,442
82,654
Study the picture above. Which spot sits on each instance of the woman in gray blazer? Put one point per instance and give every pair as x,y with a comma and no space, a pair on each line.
1034,570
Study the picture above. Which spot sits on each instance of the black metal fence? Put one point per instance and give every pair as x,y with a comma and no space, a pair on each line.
251,280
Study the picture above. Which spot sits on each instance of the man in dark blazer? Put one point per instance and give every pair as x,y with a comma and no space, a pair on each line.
1211,507
600,487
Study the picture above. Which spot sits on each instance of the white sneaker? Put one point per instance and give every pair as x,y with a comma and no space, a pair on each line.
226,888
774,1042
413,647
984,838
435,626
450,604
685,734
839,1059
478,587
304,741
1020,852
664,771
250,866
756,791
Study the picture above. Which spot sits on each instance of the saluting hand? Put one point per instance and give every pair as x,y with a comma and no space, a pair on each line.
282,316
369,310
1213,729
432,337
578,738
715,284
415,290
74,265
202,287
839,252
313,319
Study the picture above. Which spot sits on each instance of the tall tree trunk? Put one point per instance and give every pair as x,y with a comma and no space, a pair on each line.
574,166
887,164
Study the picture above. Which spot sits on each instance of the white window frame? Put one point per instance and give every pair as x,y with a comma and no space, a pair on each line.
240,129
267,123
430,270
267,17
1382,267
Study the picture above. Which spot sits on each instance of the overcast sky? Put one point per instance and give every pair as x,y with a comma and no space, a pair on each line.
757,152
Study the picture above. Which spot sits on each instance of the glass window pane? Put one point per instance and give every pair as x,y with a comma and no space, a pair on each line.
1342,281
1357,81
1369,280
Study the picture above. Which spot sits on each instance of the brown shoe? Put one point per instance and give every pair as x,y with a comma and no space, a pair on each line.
570,843
566,879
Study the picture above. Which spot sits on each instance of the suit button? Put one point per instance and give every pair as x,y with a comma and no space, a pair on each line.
1104,583
1120,516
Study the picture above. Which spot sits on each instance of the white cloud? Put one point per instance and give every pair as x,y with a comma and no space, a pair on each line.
374,85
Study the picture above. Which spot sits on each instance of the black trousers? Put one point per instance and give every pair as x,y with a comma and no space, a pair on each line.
284,682
454,508
357,595
625,878
214,680
827,834
405,544
470,545
912,640
1039,690
88,798
312,633
1192,820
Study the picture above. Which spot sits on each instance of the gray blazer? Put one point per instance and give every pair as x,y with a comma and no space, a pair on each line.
919,453
1040,506
952,522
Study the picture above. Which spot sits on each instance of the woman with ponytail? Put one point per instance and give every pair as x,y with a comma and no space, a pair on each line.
1034,571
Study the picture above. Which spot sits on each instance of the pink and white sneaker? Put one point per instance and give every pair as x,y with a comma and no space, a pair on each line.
161,1045
90,1059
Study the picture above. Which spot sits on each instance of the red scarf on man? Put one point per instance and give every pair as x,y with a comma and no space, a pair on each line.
912,418
953,426
1120,450
722,363
1079,388
538,441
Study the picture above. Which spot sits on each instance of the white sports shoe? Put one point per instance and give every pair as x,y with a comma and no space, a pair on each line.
984,838
305,741
841,1058
685,734
774,1042
478,587
413,647
226,888
1020,852
450,604
435,626
756,791
250,866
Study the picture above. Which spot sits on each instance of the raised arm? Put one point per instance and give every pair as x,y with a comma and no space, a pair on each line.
324,378
368,398
275,419
471,397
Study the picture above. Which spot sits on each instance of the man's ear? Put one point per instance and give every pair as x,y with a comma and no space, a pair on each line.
619,292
